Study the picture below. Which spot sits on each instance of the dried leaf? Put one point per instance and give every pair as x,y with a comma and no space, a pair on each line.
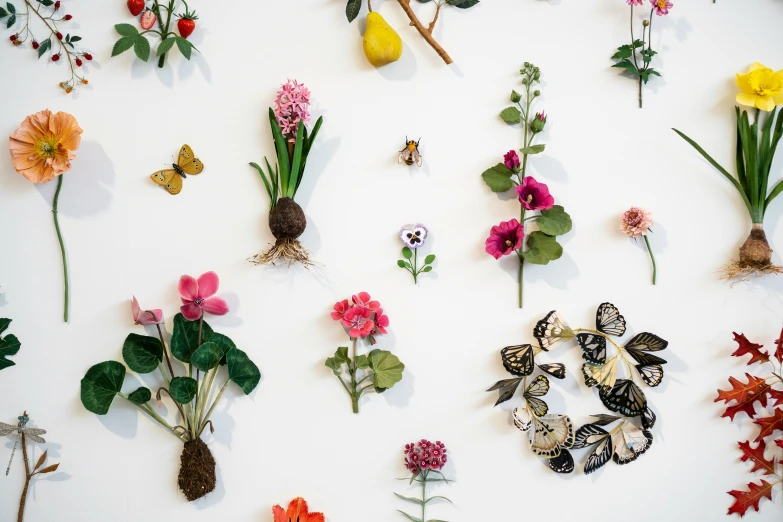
779,349
748,348
49,469
751,498
770,424
41,460
745,395
756,455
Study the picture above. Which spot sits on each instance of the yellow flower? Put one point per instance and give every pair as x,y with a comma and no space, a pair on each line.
761,87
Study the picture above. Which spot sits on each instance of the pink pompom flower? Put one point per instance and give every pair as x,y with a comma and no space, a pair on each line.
504,238
636,222
511,160
534,195
197,296
661,7
145,317
292,106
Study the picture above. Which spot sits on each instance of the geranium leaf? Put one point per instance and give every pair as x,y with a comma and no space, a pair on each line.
183,389
542,248
242,370
140,396
756,455
142,353
555,221
498,178
362,362
387,369
744,500
100,385
511,115
184,339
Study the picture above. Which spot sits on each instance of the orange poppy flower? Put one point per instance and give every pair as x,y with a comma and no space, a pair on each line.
297,511
43,146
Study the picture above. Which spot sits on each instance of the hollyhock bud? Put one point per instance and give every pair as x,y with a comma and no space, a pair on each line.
538,123
511,160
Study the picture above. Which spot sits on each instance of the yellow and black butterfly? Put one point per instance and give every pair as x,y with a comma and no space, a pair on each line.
171,179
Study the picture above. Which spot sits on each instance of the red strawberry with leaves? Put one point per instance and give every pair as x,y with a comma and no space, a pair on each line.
148,19
187,22
135,7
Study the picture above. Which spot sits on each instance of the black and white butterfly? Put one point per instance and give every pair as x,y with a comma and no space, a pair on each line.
649,367
551,330
556,370
624,397
506,389
593,347
518,360
538,388
624,445
609,321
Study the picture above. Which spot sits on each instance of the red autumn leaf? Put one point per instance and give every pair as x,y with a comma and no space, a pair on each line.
297,510
757,456
779,350
745,395
779,442
747,499
770,424
748,348
776,396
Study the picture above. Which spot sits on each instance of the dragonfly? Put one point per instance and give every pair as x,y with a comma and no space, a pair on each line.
21,428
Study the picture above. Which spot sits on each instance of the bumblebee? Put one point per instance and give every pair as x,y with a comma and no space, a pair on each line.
410,153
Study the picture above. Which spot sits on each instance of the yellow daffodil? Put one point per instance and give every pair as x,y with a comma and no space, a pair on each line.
761,87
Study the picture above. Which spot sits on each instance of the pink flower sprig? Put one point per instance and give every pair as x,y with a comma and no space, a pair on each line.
423,458
636,223
197,296
292,105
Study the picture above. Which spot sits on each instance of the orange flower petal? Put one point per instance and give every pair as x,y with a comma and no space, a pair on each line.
66,129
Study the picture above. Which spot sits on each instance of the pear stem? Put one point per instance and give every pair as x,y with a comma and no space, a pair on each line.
423,31
369,6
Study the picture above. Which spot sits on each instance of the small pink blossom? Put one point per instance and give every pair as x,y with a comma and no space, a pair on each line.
197,296
634,2
504,238
340,307
425,455
358,321
363,300
636,222
145,317
534,195
381,321
661,7
511,160
292,106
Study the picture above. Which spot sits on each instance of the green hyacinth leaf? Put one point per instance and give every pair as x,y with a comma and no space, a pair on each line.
100,385
242,370
142,353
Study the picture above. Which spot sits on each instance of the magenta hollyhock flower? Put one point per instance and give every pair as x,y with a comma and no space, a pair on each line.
534,195
357,319
661,7
144,317
504,238
340,308
511,160
292,106
363,300
197,296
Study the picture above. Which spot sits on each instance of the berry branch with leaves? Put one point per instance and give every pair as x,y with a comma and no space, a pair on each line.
48,13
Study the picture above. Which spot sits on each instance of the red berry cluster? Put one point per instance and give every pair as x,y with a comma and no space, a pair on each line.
424,455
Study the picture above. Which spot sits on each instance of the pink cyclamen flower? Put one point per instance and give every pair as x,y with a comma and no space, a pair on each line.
511,160
661,7
363,300
534,195
636,222
145,317
197,296
292,106
634,2
340,307
504,238
358,321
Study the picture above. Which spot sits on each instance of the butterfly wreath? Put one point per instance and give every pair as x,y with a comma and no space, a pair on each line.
553,435
171,179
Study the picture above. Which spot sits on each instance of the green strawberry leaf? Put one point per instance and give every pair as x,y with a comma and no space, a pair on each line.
141,46
126,30
165,46
184,46
122,45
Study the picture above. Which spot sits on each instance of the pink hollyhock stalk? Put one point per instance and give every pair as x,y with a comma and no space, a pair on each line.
534,195
197,296
292,106
634,2
145,317
661,7
504,238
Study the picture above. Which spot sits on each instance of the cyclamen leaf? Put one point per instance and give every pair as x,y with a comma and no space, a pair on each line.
242,370
756,455
142,353
748,348
745,395
744,500
511,115
498,178
140,396
100,385
184,338
183,389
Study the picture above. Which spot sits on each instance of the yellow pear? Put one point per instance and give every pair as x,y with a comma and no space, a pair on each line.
381,44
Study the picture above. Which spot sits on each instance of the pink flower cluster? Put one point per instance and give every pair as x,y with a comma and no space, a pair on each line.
291,107
424,456
636,222
363,317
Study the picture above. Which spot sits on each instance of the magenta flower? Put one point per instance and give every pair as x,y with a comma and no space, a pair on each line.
534,195
634,2
147,316
292,106
661,7
425,455
358,321
363,300
340,308
511,160
197,296
504,238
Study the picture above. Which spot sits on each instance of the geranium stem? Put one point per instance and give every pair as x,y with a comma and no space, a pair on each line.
352,370
652,258
62,245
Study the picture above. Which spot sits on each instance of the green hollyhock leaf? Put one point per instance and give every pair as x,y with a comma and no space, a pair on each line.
542,249
242,370
511,115
387,369
498,178
165,46
184,339
100,385
122,45
140,396
407,253
533,149
206,356
142,353
555,221
183,389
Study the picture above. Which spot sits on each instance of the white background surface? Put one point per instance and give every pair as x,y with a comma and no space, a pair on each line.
296,435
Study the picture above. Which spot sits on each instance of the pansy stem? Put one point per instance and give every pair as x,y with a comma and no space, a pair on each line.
415,267
62,245
652,258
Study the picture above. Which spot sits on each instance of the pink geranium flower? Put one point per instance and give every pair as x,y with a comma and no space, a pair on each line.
197,296
363,300
381,322
340,308
534,195
661,7
511,160
358,321
505,238
144,317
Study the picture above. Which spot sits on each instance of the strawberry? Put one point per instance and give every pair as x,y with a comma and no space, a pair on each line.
135,6
148,19
187,22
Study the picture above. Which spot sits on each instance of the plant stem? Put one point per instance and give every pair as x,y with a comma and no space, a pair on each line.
426,34
209,412
28,476
164,30
352,371
165,351
423,496
652,257
640,92
415,263
157,418
62,245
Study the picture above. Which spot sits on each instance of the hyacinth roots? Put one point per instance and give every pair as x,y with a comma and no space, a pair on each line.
287,222
755,258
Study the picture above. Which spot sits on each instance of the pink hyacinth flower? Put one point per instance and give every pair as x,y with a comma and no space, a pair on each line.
292,106
661,7
534,195
511,160
358,321
504,238
363,300
144,317
340,308
197,296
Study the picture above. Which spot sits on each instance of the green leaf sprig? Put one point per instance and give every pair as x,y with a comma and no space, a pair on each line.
9,345
130,37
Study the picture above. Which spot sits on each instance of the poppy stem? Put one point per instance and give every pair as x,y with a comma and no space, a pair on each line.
62,244
652,258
